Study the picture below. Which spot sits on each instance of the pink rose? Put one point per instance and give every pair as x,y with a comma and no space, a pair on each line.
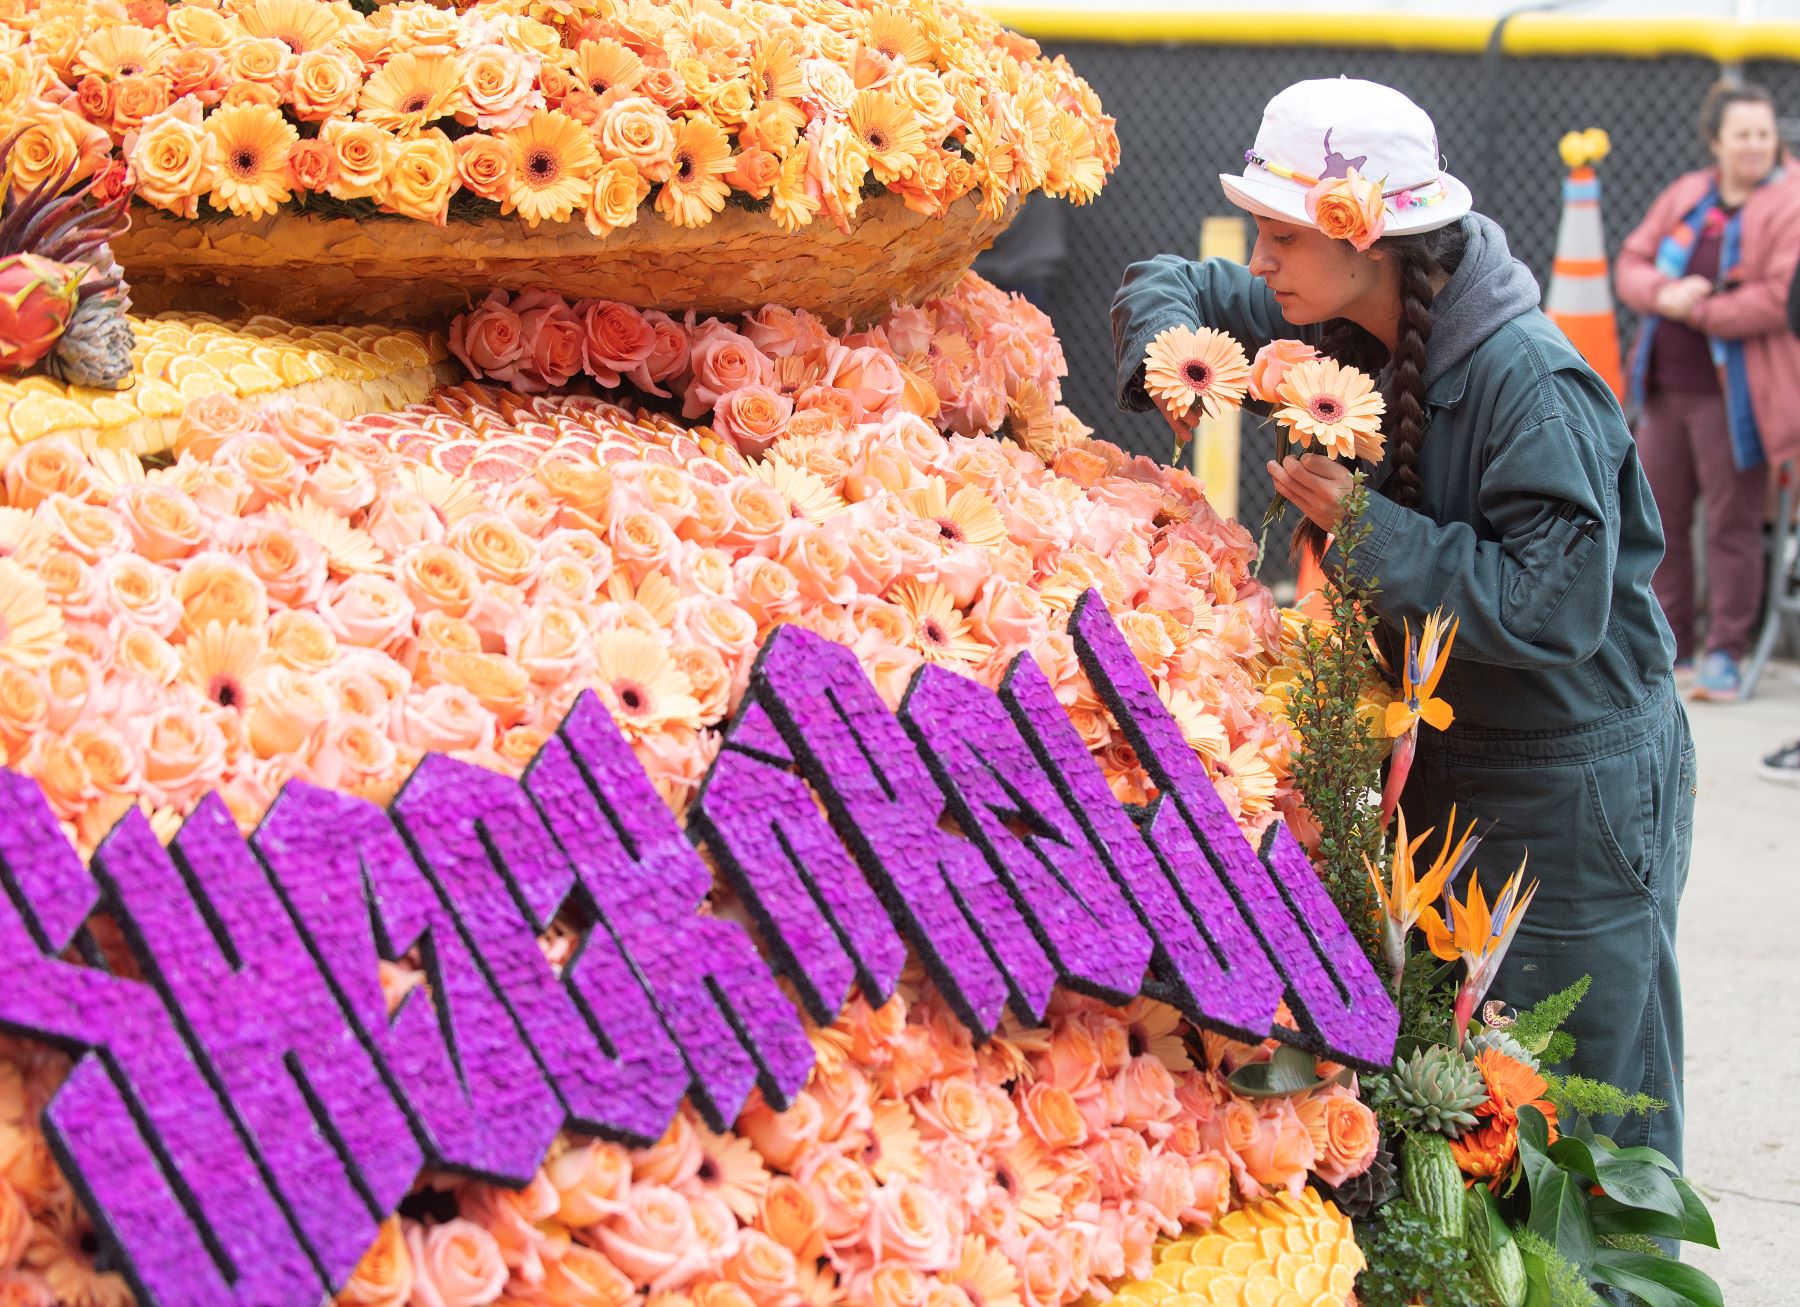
591,1182
782,1137
489,340
367,610
782,333
1280,1155
723,361
872,380
668,357
616,340
456,1264
844,1192
306,431
443,719
752,417
653,1240
550,336
1272,362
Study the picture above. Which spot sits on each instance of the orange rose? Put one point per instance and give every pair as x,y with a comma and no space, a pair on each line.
50,138
384,1276
584,1276
326,84
1343,1131
790,1216
94,97
135,99
41,468
1052,1116
637,129
619,190
197,71
485,166
360,151
1348,208
421,177
313,165
755,172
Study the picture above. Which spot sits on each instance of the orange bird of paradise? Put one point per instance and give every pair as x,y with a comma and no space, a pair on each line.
1417,702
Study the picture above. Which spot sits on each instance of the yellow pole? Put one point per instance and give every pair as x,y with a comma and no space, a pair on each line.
1217,440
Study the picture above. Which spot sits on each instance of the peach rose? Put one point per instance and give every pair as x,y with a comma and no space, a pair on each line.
215,588
360,153
910,1223
1349,208
165,524
499,684
42,468
615,340
1344,1133
554,645
490,340
368,611
955,1106
637,129
24,710
141,591
618,193
456,1264
313,166
755,172
443,719
261,59
326,84
306,431
135,99
653,1239
287,708
49,139
781,1137
790,1216
183,754
384,1276
752,417
198,72
844,1192
208,422
763,1268
421,176
581,1275
1052,1116
591,1182
1272,362
15,1225
497,549
501,86
300,639
350,751
767,590
485,165
1280,1155
437,577
890,1284
723,361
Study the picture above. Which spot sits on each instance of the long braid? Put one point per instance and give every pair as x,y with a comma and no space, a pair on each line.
1406,378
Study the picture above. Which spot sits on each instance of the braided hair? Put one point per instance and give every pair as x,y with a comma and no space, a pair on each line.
1419,258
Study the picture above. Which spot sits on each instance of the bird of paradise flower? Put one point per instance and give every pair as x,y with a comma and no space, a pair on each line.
1416,702
1479,936
1404,897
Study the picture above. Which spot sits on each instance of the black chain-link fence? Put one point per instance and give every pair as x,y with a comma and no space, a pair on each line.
1187,112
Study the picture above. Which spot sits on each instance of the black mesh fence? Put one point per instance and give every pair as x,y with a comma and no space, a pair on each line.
1187,112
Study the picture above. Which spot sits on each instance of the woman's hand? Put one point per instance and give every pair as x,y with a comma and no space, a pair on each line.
1183,427
1315,485
1677,299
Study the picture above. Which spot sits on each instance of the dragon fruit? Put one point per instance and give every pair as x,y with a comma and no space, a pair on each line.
37,299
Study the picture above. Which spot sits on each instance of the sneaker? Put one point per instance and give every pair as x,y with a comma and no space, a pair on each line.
1718,679
1684,673
1782,766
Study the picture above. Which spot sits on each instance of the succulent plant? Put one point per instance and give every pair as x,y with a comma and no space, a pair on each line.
1360,1196
1501,1042
94,350
1439,1089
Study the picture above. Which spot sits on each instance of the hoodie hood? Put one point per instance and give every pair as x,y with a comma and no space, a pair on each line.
1488,289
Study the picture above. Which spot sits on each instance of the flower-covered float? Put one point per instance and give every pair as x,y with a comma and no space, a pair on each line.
682,775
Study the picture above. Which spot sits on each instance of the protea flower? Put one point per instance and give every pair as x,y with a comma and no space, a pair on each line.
37,299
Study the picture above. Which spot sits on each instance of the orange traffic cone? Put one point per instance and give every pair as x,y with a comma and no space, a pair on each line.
1580,299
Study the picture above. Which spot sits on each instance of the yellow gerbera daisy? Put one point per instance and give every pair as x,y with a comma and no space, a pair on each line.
1333,406
607,65
556,166
300,25
891,130
30,628
641,684
775,69
121,50
252,143
967,517
1184,367
696,189
937,628
411,90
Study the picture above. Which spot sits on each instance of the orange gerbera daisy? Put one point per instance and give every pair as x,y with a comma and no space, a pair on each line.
775,69
1184,367
606,65
556,162
894,34
300,25
937,628
252,144
641,685
967,517
1490,1150
410,90
890,128
696,188
1333,406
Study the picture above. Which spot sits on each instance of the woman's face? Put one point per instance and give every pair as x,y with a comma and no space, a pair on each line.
1747,143
1314,278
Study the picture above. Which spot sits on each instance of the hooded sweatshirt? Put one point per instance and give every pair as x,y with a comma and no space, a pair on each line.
1536,528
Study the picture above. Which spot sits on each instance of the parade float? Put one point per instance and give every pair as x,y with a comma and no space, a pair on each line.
581,726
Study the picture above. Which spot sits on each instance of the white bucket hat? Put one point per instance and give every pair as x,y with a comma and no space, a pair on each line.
1319,130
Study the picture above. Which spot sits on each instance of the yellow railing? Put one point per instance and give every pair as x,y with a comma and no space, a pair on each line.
1528,34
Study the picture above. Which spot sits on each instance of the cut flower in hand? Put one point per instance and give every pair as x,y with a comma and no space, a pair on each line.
1337,408
1185,367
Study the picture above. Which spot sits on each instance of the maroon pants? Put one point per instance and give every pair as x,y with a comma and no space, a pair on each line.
1686,452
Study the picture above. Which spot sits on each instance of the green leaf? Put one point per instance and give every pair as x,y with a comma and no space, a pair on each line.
1290,1071
1559,1213
1659,1281
1633,1183
1694,1225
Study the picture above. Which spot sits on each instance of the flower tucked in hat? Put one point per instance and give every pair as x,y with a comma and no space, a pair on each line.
1355,159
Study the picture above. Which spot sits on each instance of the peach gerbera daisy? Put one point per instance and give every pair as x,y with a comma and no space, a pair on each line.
556,165
347,548
1185,367
410,90
696,188
1031,420
1200,724
252,144
219,659
1248,771
967,517
775,69
731,1168
1027,1174
937,628
121,50
641,685
984,1274
607,66
791,203
30,628
894,35
807,494
300,25
890,128
1333,406
1155,1028
22,534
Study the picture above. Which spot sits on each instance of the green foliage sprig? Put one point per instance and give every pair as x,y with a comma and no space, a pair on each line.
1561,1281
1578,1095
1338,764
1410,1261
